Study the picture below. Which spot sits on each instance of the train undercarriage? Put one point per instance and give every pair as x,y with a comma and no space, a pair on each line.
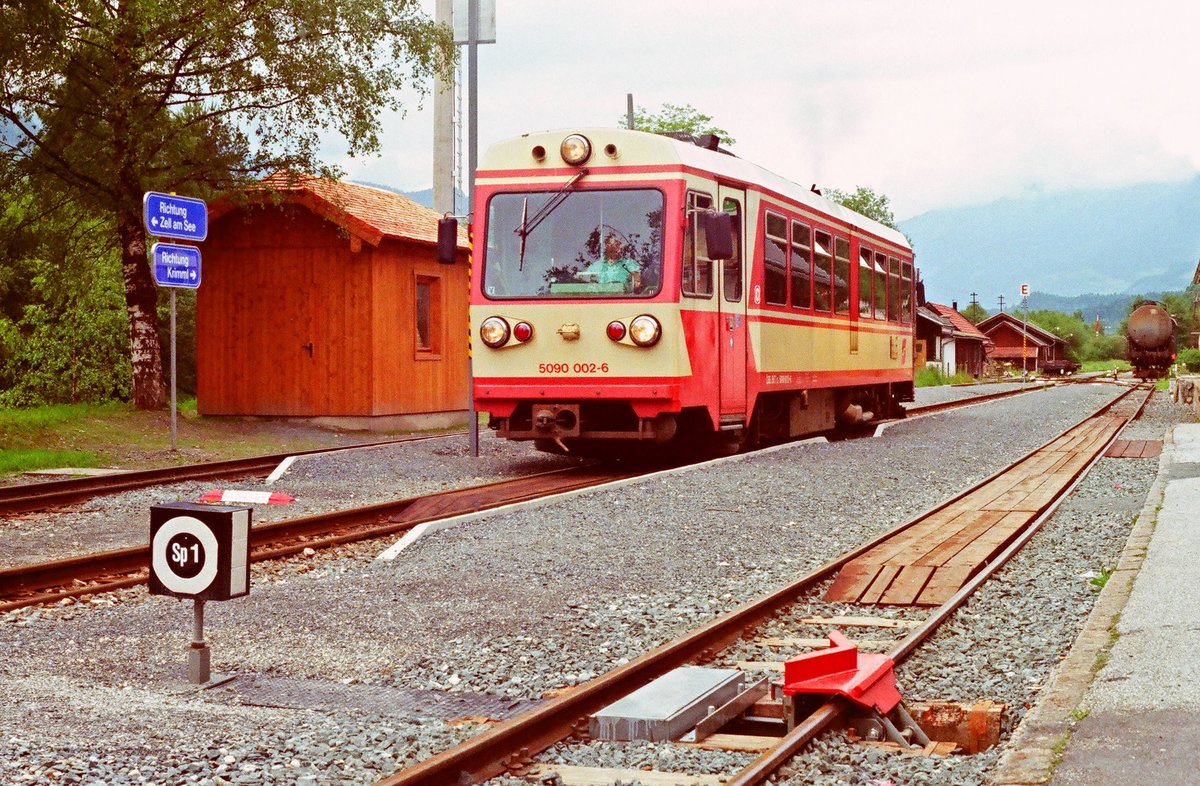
613,428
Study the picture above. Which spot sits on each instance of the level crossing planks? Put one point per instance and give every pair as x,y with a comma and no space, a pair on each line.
928,562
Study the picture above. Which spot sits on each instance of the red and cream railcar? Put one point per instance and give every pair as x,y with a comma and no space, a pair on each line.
608,305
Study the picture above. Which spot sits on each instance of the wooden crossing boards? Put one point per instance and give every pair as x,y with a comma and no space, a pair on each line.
1135,448
927,563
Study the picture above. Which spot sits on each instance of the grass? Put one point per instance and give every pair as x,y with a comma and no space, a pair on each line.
1105,365
931,376
1099,581
119,435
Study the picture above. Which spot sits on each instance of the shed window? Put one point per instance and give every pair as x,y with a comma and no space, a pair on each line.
428,315
775,261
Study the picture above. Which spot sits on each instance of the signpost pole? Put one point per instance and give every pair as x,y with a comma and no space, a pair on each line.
174,432
199,666
472,153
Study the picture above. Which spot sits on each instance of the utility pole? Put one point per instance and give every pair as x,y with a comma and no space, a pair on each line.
443,126
1001,304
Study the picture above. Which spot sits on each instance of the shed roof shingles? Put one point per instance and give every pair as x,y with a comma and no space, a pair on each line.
365,211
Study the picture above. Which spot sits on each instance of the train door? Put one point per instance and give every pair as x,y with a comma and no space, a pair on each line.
732,304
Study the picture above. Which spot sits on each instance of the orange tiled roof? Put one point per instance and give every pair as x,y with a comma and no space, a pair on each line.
958,321
364,211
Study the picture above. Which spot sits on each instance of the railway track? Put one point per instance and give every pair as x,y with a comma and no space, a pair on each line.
53,581
512,745
73,577
43,495
30,497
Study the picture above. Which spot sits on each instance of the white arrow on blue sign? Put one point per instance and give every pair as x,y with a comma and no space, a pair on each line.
182,218
176,266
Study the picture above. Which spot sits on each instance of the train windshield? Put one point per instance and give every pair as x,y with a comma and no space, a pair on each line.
573,244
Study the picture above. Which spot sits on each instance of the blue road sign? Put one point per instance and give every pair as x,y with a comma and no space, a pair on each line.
182,218
176,266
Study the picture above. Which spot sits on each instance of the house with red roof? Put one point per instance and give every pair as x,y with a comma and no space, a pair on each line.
952,343
1024,346
325,299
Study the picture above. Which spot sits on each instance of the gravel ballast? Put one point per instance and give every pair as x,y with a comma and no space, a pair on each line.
533,601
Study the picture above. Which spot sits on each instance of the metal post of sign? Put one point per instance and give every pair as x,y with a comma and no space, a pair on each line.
199,655
174,431
472,159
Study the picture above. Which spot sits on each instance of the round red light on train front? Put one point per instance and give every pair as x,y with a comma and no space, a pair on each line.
522,331
616,330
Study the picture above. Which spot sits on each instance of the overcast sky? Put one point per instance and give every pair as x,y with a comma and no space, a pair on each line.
933,103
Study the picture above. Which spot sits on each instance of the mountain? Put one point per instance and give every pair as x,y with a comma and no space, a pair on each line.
424,197
1121,241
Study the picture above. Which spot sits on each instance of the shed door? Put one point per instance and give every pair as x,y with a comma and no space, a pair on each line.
732,305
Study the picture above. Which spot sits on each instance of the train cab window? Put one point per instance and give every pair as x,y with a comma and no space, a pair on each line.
841,275
775,260
893,289
697,279
823,272
571,244
880,287
866,275
801,266
906,292
731,281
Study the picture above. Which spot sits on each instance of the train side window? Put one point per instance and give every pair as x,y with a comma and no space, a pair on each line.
775,260
732,268
841,275
866,274
697,280
801,266
893,289
906,292
880,287
823,272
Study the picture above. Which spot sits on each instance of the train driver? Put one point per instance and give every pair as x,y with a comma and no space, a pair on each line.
613,268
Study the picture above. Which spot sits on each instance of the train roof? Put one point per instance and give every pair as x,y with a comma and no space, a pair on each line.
642,149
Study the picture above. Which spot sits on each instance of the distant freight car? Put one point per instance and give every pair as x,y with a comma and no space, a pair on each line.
1150,331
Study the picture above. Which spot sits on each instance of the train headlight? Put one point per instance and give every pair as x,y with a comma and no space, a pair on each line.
522,331
494,332
576,149
615,330
645,330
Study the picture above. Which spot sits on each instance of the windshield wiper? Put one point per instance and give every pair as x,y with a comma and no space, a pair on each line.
530,224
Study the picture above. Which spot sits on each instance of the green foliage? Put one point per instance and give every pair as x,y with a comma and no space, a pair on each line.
1189,359
63,323
672,117
1099,581
865,201
974,313
1071,330
105,101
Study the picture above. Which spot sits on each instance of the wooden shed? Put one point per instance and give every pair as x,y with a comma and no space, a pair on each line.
325,300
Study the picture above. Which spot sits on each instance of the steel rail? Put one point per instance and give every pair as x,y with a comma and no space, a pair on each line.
30,497
513,742
766,764
321,530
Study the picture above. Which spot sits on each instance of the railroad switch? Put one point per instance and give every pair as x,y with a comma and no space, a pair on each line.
867,680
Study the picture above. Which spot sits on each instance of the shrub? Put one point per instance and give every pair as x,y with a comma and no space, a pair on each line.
1189,359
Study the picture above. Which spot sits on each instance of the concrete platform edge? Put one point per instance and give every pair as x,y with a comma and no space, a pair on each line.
1037,744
